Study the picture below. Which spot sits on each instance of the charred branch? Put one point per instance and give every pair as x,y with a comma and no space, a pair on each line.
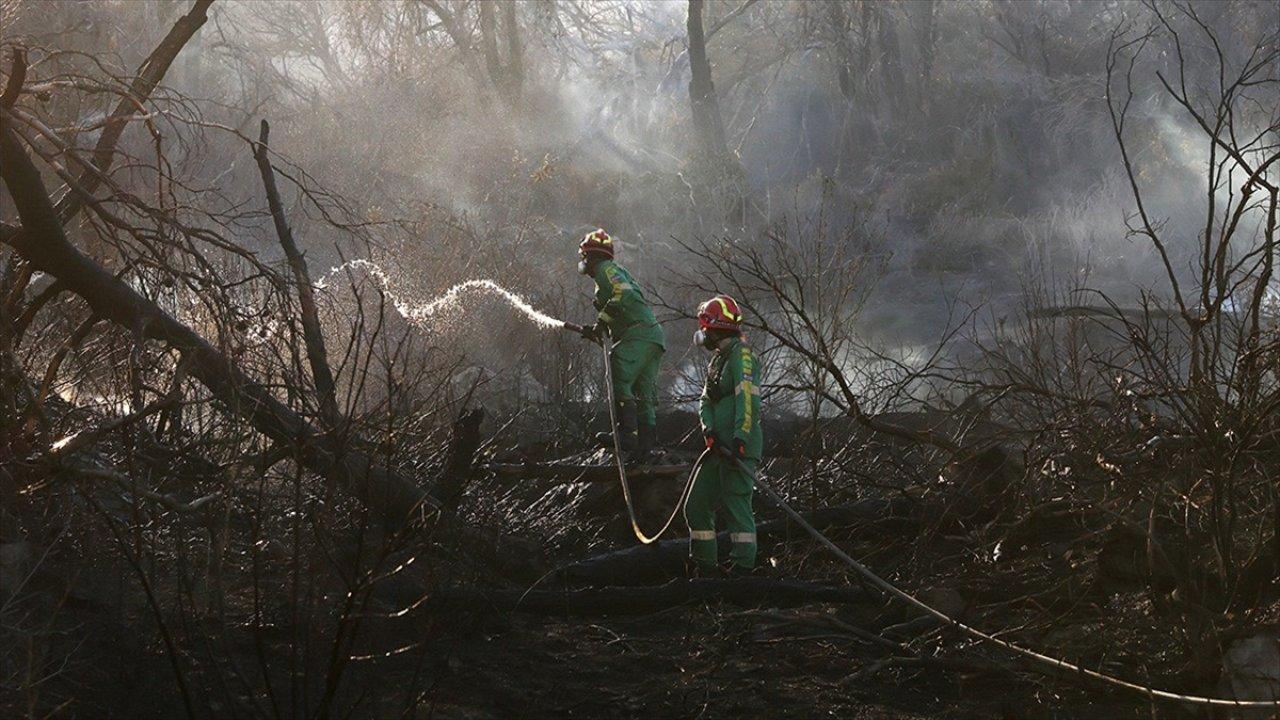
43,244
313,335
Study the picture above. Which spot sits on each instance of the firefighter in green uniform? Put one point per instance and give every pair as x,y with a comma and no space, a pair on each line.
637,338
730,414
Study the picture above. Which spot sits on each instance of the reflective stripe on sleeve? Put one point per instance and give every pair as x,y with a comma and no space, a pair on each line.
746,388
702,534
743,537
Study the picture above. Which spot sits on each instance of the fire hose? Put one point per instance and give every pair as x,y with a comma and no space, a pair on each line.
1040,658
893,590
606,344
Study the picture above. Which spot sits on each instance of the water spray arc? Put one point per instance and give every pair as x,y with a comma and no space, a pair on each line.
421,313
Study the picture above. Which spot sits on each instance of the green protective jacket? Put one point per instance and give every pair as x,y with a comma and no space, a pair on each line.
622,306
730,403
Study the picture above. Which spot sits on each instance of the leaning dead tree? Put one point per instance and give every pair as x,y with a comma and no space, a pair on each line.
42,244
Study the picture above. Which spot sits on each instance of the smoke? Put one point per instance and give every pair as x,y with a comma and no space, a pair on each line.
993,160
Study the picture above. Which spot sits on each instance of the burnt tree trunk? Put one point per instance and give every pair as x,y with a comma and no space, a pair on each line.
489,43
890,55
515,53
843,50
507,77
149,75
707,122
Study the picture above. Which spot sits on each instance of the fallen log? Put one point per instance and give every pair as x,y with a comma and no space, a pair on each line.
560,473
639,564
744,592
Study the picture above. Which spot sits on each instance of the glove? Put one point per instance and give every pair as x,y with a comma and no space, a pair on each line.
593,332
737,449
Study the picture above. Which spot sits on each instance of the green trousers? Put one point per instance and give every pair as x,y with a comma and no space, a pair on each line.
635,366
721,486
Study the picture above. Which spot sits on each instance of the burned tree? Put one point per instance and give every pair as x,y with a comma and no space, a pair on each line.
702,91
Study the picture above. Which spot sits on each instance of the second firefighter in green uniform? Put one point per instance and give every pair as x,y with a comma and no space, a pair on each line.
637,338
729,411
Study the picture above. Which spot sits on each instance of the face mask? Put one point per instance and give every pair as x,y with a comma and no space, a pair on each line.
582,267
703,340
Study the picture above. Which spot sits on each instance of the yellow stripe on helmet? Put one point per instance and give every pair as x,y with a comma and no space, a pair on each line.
724,306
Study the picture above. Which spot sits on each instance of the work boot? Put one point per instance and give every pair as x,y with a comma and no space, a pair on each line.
694,571
646,439
627,438
627,421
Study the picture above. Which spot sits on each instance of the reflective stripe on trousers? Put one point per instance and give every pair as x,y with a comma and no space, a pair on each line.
720,489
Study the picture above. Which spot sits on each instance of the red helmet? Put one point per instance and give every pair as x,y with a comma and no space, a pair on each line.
597,241
720,313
